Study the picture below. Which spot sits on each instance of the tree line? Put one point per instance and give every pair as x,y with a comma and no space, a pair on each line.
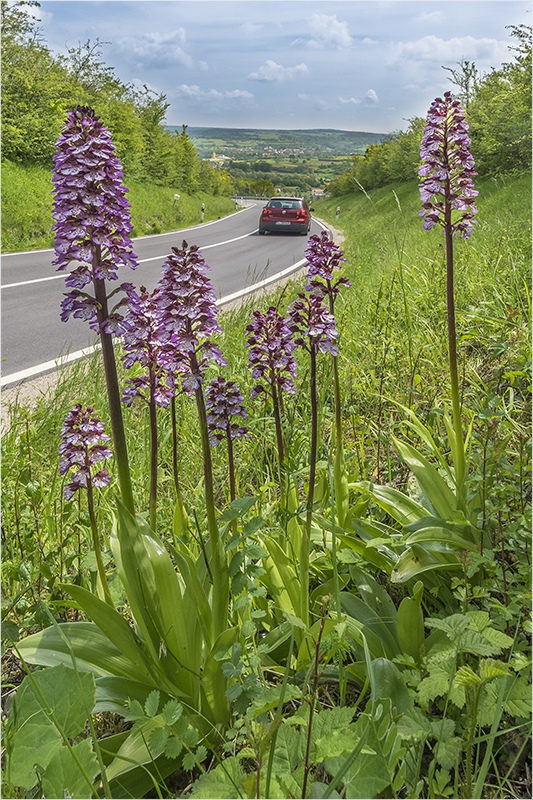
40,87
497,107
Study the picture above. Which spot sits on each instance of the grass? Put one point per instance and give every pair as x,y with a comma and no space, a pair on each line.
27,208
393,349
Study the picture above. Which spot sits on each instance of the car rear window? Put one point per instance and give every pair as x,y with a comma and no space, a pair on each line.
285,204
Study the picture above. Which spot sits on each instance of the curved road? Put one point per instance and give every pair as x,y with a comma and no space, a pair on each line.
33,336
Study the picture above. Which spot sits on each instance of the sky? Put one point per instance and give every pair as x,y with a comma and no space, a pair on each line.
358,65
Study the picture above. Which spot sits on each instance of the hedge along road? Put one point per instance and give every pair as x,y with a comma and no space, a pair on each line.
33,336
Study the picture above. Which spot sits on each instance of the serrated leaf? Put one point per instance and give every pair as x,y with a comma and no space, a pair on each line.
479,620
63,777
158,739
286,752
222,782
442,729
498,638
135,711
489,668
467,677
173,747
269,699
447,752
152,703
171,712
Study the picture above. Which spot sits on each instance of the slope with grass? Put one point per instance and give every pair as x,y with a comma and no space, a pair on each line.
27,208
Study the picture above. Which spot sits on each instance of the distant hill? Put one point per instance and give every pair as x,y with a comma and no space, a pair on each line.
316,141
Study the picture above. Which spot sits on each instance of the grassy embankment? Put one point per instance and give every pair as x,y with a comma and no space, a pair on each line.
393,343
27,208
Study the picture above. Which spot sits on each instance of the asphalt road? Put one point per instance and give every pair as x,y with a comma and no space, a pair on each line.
33,336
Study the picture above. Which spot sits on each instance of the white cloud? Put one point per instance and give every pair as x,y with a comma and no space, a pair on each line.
270,71
203,66
329,32
194,92
371,97
431,48
156,49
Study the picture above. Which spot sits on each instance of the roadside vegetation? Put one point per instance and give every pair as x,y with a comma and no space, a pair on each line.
306,575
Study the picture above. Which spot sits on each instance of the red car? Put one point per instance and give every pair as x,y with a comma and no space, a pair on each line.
285,214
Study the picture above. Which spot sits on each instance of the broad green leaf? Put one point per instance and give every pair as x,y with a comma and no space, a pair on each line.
112,694
439,494
31,730
366,615
332,734
400,507
417,559
387,681
410,623
215,706
489,668
286,754
135,750
114,626
431,529
93,650
63,776
467,677
447,752
281,579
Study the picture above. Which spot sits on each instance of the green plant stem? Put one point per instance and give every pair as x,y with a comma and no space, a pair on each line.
113,394
307,764
306,537
460,466
219,567
231,465
96,543
153,452
277,421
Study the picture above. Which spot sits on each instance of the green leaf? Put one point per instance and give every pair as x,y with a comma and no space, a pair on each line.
171,712
418,558
93,650
447,752
34,735
63,776
400,507
437,491
467,677
158,739
173,747
152,703
223,782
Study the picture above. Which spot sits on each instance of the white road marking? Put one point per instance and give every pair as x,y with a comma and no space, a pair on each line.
49,365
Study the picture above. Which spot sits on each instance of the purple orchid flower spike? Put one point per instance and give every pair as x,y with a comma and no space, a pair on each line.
92,220
188,315
448,169
224,403
84,445
323,257
312,325
224,406
271,351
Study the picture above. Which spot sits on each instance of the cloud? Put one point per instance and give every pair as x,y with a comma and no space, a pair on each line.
270,71
369,99
212,95
329,32
431,48
158,50
203,66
